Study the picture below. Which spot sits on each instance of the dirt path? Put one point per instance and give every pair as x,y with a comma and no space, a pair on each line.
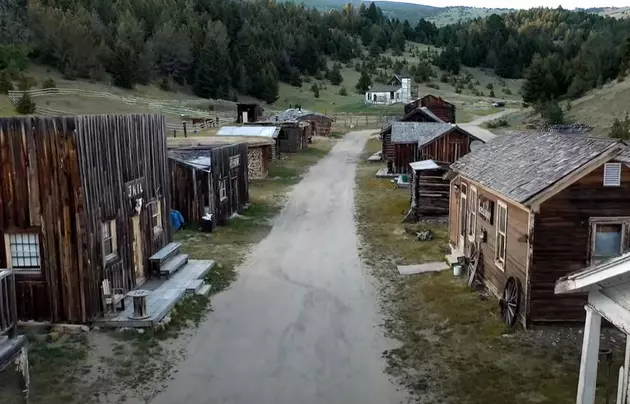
483,119
300,325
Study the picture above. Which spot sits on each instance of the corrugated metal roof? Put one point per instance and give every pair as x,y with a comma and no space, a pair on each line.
522,164
424,165
420,132
250,130
293,114
196,158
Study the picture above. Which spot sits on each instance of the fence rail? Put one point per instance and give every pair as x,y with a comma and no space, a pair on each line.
8,304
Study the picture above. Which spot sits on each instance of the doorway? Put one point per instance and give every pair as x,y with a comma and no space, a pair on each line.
138,262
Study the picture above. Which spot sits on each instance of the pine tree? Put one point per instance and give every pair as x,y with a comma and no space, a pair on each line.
315,90
364,82
5,82
25,105
334,75
212,77
620,128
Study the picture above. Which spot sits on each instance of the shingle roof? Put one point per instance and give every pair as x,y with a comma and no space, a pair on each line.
249,130
624,156
420,132
424,111
521,165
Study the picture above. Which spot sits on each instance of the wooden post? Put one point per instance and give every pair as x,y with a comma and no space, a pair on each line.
185,132
590,356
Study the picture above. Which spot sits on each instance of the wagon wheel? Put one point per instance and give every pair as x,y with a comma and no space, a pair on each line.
510,302
473,262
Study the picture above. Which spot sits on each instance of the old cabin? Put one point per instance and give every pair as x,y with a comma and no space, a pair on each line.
259,150
440,107
209,180
248,112
294,136
416,141
414,115
83,199
321,125
429,190
538,207
256,131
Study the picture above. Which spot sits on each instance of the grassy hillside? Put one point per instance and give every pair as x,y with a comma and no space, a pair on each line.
451,15
601,106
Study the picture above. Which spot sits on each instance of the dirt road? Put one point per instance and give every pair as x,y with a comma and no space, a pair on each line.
300,325
483,119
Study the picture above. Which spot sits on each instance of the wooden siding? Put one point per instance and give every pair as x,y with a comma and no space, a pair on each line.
442,109
404,153
62,177
236,178
320,125
448,148
429,193
191,190
516,244
562,240
294,137
387,147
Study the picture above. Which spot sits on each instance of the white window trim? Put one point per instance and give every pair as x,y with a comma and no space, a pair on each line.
156,211
500,261
222,189
625,229
112,236
473,199
617,168
9,256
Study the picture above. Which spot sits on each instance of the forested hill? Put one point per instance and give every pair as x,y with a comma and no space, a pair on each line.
224,47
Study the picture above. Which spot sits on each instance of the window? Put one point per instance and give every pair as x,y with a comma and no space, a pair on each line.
609,238
155,209
472,213
222,191
108,231
612,174
23,250
501,242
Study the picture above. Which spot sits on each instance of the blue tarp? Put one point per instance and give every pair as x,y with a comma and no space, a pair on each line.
177,220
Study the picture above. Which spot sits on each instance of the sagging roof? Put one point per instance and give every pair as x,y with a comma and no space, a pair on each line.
418,132
383,88
293,114
250,130
522,164
194,157
424,165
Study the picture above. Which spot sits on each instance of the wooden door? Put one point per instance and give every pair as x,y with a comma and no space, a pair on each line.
138,261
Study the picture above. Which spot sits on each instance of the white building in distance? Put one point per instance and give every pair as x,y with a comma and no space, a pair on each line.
397,90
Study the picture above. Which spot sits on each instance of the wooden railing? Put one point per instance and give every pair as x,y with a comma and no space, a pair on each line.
8,306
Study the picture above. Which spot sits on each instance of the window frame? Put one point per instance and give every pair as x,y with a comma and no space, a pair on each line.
155,210
111,226
498,260
473,204
618,167
9,253
223,189
624,221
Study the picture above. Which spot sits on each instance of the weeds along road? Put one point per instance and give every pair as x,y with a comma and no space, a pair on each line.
300,325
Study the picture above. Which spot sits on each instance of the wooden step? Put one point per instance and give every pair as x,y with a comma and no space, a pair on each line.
170,250
204,290
194,286
173,264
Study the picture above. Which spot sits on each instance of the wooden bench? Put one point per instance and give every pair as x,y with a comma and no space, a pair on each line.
160,258
113,297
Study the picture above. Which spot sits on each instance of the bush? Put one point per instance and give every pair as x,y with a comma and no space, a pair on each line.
433,85
471,86
491,93
507,91
458,90
489,86
318,75
497,123
315,90
477,82
165,84
26,105
444,78
343,91
620,129
6,84
26,83
49,83
551,112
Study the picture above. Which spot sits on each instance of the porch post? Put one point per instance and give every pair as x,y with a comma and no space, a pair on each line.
590,354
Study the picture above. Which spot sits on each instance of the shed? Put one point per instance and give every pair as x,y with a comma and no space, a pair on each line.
538,207
248,112
294,136
83,199
607,286
269,132
321,125
440,107
429,190
209,180
414,141
259,150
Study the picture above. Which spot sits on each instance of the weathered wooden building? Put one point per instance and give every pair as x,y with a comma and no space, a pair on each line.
321,125
293,137
429,191
259,150
255,131
540,206
414,115
83,199
437,105
415,141
209,180
248,112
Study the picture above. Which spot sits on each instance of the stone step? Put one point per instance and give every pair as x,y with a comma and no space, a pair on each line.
194,286
173,265
205,290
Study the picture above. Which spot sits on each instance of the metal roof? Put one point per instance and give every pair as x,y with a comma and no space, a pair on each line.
293,114
420,132
250,130
424,165
478,132
196,158
606,274
522,164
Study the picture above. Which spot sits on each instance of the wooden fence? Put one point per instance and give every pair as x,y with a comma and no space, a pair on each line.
362,121
8,307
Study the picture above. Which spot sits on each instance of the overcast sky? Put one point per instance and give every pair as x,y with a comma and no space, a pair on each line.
567,4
